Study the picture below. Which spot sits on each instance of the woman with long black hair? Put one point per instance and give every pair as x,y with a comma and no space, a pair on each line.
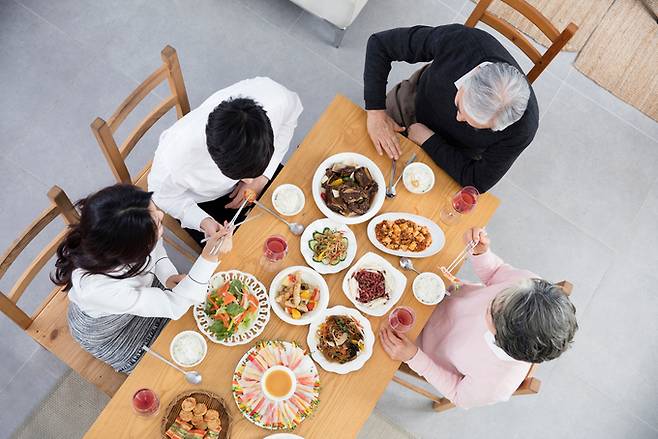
122,287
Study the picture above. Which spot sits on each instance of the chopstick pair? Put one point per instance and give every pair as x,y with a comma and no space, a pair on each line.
215,249
204,240
447,271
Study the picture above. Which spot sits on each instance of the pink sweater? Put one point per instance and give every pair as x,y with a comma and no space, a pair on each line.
453,353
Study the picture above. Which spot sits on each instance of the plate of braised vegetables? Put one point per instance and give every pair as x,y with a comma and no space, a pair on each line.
236,309
340,340
298,295
327,246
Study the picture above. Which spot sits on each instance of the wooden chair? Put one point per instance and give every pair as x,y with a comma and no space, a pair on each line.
48,325
559,39
529,386
116,155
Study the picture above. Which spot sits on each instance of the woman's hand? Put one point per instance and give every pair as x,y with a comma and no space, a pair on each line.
210,226
383,133
479,235
226,233
238,194
397,346
419,133
174,280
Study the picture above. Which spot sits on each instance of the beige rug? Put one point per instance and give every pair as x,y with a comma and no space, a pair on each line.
74,405
622,56
585,13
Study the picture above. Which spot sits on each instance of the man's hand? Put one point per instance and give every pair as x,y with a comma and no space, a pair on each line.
256,185
480,236
419,133
397,346
174,280
383,133
210,226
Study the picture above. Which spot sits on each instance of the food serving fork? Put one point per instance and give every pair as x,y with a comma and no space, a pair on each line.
391,179
392,192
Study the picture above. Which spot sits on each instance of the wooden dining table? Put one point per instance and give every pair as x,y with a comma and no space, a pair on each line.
346,401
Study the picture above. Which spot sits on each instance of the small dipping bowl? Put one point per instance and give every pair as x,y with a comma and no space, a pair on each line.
418,178
282,195
293,381
430,281
187,338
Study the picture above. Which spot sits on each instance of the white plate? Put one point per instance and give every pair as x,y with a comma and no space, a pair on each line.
307,253
203,321
429,274
283,436
290,187
399,280
438,238
349,158
310,276
360,360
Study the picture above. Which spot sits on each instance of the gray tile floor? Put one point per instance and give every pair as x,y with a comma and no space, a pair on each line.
580,204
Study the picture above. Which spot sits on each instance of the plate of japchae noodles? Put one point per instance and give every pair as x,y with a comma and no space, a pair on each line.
340,340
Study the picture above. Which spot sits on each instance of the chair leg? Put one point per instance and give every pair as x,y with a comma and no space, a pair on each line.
175,227
338,36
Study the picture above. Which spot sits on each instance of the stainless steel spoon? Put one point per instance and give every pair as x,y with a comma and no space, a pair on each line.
295,228
391,193
192,377
406,264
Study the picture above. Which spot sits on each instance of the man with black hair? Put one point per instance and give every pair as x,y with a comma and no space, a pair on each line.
232,142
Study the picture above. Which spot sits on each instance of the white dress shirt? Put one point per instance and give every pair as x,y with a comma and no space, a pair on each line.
183,173
99,295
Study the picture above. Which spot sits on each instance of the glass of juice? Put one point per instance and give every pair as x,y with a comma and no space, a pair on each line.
146,402
402,319
461,203
275,250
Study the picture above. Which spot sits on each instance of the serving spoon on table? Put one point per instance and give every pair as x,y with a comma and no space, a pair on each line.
192,377
295,228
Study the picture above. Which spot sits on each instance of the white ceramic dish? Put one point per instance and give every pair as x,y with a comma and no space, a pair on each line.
310,276
349,158
318,226
203,321
398,280
360,360
193,336
283,436
439,292
288,191
418,178
438,238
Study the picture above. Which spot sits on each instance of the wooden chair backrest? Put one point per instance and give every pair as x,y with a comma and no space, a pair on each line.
60,205
104,131
557,38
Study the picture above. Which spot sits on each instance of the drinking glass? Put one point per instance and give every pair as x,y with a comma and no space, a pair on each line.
461,203
402,319
275,250
146,402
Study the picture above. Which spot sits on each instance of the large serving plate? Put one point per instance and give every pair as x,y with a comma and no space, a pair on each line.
318,226
241,336
311,277
349,158
360,360
438,238
252,401
396,283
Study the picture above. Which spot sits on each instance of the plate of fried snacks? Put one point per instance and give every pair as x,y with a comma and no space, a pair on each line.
196,415
328,246
405,234
373,285
236,309
276,385
298,295
340,340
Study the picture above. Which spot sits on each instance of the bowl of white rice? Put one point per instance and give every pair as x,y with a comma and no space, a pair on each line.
288,199
428,288
188,348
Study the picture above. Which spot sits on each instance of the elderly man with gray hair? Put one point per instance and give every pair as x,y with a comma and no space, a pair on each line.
471,108
480,343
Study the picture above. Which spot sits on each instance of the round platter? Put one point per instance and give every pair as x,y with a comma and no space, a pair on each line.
212,402
361,358
313,279
319,226
438,238
241,336
247,387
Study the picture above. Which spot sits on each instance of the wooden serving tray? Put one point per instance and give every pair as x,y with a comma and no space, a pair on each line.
211,400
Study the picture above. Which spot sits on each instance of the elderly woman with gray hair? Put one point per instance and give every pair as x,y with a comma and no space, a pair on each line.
480,343
471,108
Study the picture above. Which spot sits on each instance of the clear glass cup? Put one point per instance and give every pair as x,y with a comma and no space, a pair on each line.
461,203
145,402
275,250
402,319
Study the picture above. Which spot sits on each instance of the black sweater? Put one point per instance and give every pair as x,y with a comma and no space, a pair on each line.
477,157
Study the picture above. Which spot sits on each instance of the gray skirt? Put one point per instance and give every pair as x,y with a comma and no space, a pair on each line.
115,339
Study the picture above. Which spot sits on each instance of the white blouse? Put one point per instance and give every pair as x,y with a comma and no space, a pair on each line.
100,295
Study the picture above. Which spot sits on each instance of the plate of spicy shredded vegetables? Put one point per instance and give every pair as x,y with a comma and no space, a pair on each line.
327,246
236,309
